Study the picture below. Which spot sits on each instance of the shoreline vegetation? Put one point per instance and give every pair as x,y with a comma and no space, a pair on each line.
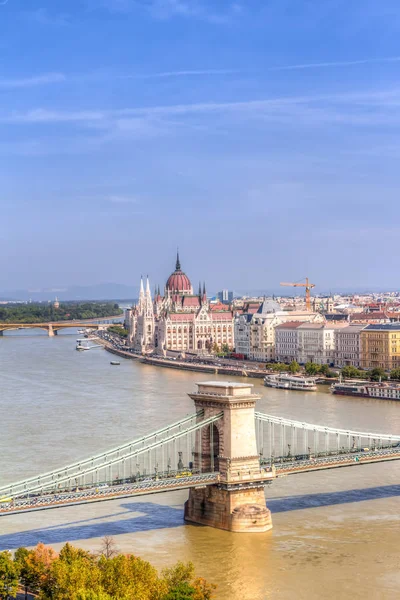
65,311
76,574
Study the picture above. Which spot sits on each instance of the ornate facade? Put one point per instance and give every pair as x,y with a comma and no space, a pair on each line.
179,320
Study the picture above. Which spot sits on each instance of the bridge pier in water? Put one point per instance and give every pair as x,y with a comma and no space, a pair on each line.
237,501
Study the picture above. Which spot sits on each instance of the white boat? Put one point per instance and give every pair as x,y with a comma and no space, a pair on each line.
291,382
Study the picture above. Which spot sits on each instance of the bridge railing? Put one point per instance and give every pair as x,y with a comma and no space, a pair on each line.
280,439
167,450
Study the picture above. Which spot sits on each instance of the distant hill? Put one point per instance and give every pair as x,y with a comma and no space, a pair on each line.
101,291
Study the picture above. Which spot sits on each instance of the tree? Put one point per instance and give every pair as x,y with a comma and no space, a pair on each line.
377,374
182,591
127,576
324,370
350,372
225,349
21,559
294,367
312,368
36,565
395,374
8,575
216,348
75,571
108,547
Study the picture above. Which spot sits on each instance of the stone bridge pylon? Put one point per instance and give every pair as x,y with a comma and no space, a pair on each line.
237,502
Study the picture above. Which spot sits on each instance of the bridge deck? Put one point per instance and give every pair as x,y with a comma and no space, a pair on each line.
111,492
335,462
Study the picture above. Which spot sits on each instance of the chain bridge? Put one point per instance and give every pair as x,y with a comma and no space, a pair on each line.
225,453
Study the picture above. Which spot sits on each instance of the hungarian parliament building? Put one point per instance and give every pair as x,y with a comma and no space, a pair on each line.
178,320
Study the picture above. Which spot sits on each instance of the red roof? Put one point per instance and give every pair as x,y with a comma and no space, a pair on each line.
222,316
372,316
218,306
190,301
181,316
178,282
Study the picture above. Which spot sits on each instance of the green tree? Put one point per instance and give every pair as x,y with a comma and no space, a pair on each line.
350,372
182,591
312,368
118,330
395,374
225,349
21,559
294,367
8,575
377,374
74,572
130,577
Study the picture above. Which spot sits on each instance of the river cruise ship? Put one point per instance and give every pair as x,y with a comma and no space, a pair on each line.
291,382
366,389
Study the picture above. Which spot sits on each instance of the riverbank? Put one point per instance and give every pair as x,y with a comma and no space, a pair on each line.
214,369
181,365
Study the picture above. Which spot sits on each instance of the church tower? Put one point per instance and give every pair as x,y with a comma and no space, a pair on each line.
145,326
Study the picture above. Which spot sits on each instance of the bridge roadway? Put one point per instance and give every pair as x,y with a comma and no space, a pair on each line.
159,484
103,492
53,327
292,467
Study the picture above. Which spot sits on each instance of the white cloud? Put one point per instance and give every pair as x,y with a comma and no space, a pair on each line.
185,73
24,82
348,63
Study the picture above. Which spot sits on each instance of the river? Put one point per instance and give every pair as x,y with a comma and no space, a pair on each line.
335,535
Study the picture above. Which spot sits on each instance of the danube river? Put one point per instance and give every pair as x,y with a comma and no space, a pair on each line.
336,533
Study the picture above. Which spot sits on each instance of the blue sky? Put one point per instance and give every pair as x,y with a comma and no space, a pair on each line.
259,136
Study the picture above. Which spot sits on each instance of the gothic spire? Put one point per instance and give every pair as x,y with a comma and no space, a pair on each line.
178,264
199,288
141,286
204,288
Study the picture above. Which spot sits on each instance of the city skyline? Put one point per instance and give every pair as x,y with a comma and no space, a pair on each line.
231,131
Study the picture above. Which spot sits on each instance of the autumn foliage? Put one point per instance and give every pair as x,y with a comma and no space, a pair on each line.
76,574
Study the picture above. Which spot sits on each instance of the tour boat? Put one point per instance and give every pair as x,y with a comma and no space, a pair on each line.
291,382
114,362
366,389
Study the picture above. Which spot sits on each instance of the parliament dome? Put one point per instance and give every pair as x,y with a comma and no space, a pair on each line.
178,282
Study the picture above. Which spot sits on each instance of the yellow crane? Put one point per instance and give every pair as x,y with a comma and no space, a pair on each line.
308,287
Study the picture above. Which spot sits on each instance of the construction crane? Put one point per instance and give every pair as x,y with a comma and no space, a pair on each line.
308,287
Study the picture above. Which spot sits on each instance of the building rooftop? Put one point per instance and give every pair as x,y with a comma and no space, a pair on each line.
383,327
289,325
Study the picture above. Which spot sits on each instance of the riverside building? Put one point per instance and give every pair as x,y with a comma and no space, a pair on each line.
255,333
348,346
380,346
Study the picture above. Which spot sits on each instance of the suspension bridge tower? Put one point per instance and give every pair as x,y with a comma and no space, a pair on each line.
237,502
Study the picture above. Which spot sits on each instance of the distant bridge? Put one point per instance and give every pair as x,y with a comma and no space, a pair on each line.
225,454
54,327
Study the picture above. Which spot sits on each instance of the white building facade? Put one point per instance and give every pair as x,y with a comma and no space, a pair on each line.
317,342
257,332
348,346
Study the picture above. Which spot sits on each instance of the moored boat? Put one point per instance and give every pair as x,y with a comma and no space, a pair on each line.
291,382
366,389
